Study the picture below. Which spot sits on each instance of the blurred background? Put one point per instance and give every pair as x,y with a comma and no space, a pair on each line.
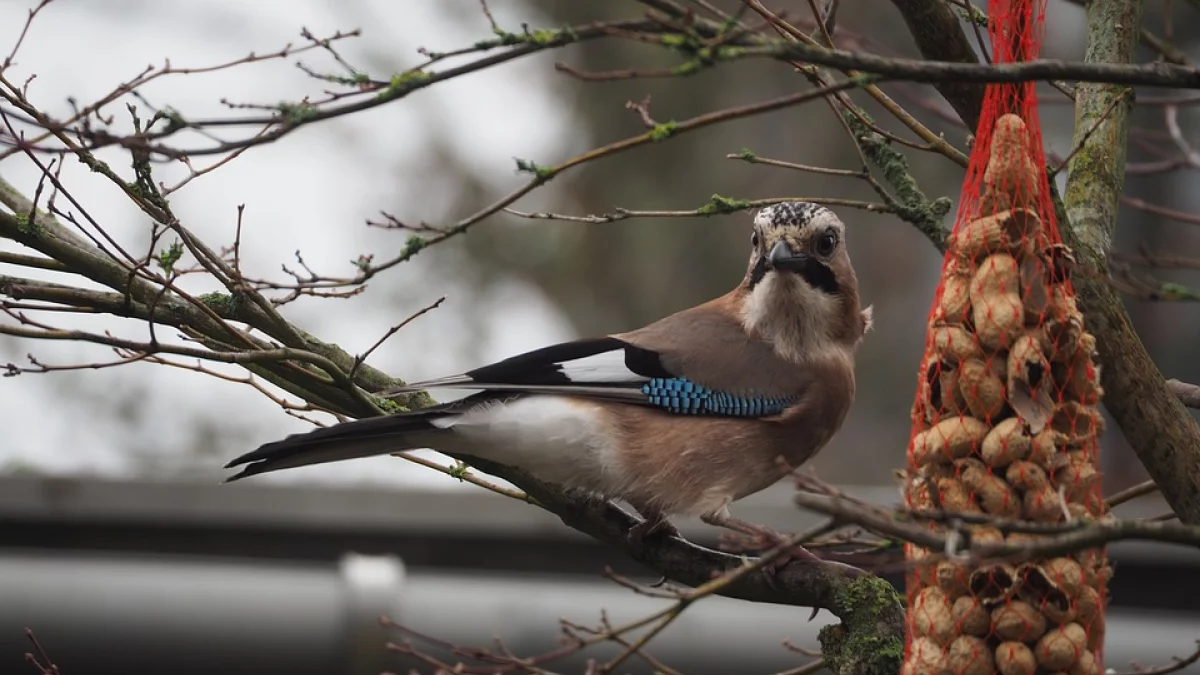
121,550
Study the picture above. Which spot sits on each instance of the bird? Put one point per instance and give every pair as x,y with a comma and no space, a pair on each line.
679,418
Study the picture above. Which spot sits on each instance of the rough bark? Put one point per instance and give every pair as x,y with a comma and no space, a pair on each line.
939,37
1154,420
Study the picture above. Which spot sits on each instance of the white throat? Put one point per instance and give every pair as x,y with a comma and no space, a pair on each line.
794,317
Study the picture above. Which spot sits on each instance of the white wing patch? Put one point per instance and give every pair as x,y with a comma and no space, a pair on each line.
604,367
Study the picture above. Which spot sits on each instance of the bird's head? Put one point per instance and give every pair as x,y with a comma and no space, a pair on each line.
800,288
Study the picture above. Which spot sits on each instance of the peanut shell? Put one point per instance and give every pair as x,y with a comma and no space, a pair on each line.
1061,647
996,301
1042,505
1064,573
955,302
970,617
1029,383
1007,442
1087,606
1079,423
1015,658
954,344
970,655
1018,621
951,578
982,388
1061,304
931,616
953,496
1043,592
1062,336
949,439
997,319
995,496
992,583
1086,665
1026,476
917,493
997,274
1077,375
1077,475
1011,177
925,657
1046,446
1008,231
951,391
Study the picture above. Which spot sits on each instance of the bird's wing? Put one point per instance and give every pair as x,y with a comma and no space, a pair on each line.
686,367
606,367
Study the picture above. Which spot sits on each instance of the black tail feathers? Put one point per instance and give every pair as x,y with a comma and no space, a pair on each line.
348,440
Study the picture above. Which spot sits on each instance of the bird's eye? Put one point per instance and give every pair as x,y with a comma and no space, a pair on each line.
826,243
754,240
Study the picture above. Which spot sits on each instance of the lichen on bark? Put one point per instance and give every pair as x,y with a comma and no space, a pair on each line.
870,638
1156,424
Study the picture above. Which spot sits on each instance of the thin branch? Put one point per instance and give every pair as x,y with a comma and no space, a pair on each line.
1179,665
1189,394
715,207
1129,494
1081,537
361,358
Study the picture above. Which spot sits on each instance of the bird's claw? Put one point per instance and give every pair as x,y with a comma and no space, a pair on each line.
637,535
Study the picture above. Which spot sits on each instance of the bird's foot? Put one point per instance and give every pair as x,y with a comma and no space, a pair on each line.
651,526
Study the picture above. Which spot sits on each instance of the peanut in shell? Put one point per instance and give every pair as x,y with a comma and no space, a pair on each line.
970,655
991,492
1015,658
1061,647
1011,177
1046,446
981,387
970,617
954,344
1007,231
1006,443
925,657
1085,665
1026,476
949,439
954,304
1043,505
930,616
1018,621
951,495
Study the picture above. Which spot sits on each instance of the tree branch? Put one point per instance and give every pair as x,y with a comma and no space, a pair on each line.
1153,419
869,607
1189,394
940,37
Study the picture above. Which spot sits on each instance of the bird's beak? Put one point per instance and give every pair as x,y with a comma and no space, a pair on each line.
783,258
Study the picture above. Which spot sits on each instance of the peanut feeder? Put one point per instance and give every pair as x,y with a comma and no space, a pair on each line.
1005,420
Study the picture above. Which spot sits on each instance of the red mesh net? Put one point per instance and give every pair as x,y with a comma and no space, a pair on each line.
1005,422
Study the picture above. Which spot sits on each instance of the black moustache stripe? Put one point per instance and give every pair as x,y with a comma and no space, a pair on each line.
759,271
821,277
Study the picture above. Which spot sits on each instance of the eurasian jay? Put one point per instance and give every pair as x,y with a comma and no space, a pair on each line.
680,417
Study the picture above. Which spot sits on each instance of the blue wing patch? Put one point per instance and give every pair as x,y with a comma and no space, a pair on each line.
682,396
